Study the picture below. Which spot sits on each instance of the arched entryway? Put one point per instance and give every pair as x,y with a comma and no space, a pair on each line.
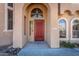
37,18
23,16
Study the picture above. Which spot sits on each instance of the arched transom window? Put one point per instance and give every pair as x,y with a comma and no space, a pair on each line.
75,28
62,28
36,13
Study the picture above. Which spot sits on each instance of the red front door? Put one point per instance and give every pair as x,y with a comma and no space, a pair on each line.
39,30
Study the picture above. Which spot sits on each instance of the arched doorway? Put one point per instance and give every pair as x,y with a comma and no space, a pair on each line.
37,20
49,16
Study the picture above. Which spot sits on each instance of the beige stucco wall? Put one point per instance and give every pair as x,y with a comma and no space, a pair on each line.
69,6
5,37
19,39
54,40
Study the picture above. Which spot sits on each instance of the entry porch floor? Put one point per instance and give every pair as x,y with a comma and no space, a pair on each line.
42,49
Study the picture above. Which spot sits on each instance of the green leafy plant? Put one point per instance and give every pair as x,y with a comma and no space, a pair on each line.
67,44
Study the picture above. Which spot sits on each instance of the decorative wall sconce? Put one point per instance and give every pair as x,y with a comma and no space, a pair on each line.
68,12
77,12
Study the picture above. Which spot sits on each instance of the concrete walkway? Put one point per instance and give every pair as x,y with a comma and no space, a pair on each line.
42,49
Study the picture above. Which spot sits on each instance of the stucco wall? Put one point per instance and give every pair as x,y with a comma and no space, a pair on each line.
19,39
54,38
69,6
5,37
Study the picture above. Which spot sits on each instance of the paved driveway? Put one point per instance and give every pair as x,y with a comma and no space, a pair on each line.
42,49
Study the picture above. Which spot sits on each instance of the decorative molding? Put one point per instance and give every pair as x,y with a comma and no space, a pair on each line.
68,12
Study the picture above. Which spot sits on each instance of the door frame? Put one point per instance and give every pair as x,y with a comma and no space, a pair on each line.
31,37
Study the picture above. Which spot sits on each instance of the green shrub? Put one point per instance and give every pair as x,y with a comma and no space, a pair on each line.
67,44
